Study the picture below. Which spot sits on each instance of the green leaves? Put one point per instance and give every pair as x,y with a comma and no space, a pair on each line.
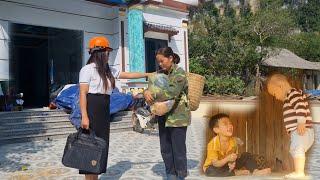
225,85
305,45
228,46
308,16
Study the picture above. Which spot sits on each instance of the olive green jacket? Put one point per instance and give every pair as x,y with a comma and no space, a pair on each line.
180,114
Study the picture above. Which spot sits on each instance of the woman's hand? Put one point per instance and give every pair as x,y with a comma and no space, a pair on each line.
85,122
148,96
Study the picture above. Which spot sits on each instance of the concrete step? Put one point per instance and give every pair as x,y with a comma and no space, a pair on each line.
54,134
34,130
46,125
35,137
121,126
35,124
52,121
121,116
27,128
24,113
49,136
30,118
33,118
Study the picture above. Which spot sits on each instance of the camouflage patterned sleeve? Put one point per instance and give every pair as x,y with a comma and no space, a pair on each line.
177,84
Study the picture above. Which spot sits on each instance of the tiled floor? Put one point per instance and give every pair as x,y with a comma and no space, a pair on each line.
132,156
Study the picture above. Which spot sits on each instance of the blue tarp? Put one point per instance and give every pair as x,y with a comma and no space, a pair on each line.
69,99
313,92
118,1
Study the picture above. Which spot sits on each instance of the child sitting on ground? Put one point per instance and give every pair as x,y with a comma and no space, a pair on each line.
222,152
297,119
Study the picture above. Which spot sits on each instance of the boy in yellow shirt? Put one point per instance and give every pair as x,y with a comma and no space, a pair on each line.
222,152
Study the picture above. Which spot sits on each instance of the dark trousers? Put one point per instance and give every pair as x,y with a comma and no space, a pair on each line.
99,118
219,171
173,148
246,161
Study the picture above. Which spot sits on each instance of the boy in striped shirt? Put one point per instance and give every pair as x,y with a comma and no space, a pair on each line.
297,120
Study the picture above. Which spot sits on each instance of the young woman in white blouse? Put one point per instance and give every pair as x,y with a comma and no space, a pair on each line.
97,80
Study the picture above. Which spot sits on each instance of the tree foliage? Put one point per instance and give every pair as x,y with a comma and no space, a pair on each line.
308,16
228,46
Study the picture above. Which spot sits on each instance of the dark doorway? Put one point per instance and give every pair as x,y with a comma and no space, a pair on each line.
41,60
151,46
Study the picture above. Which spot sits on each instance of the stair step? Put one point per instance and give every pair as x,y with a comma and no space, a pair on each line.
35,137
22,114
43,118
127,125
52,118
43,125
35,121
46,124
123,113
32,118
27,131
124,129
31,113
115,121
47,136
48,112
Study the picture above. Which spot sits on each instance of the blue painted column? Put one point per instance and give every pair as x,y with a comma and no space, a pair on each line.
136,42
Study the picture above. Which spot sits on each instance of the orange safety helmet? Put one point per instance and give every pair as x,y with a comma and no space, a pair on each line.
99,43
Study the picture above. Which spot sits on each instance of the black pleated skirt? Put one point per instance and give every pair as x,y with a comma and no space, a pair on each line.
98,107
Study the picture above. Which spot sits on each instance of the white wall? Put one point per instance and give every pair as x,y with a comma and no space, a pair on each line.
191,2
92,18
172,18
4,51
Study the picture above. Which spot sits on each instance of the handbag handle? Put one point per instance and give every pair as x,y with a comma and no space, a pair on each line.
92,134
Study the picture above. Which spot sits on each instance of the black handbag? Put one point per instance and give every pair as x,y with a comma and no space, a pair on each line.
85,151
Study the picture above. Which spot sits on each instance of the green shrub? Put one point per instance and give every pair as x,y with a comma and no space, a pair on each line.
225,85
196,66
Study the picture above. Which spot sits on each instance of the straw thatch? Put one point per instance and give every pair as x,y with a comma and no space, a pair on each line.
287,59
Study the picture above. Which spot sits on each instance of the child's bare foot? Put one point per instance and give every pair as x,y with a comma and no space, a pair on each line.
242,172
261,172
294,175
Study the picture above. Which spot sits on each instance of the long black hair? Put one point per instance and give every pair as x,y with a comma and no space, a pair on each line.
101,58
167,52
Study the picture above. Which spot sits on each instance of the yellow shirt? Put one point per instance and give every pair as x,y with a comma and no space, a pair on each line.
214,151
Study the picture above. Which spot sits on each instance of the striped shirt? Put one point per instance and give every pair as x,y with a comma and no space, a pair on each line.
296,110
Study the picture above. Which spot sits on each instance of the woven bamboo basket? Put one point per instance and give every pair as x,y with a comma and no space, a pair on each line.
196,84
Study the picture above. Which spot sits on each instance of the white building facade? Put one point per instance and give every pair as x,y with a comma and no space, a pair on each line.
60,30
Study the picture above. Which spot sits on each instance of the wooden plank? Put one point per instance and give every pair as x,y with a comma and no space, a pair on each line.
242,121
250,131
270,120
262,126
278,132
